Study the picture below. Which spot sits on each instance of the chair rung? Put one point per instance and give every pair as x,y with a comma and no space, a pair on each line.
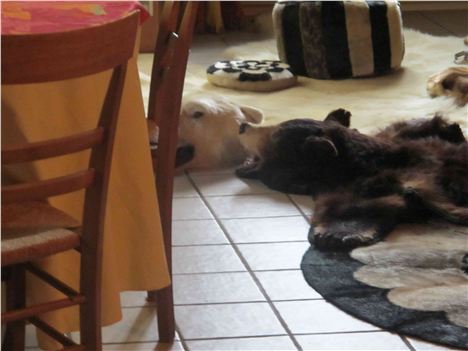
52,148
52,332
42,189
51,280
28,312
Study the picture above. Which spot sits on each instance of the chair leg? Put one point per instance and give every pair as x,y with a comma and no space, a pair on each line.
90,311
165,308
164,299
15,299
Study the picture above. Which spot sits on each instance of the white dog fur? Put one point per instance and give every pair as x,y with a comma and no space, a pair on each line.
211,124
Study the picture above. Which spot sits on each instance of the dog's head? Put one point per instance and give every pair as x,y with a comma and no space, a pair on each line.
312,134
209,132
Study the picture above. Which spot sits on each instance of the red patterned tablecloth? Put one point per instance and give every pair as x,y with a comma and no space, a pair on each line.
24,17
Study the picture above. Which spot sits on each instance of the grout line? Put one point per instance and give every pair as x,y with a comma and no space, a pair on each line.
181,338
243,243
237,337
296,334
268,193
213,272
253,270
306,216
273,242
200,245
223,219
239,302
230,195
246,264
407,343
136,342
343,332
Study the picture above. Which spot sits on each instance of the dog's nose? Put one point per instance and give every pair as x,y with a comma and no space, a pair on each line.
243,127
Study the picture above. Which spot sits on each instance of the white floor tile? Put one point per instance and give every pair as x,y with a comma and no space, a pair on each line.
242,344
30,337
189,208
145,63
228,184
420,345
227,320
137,325
134,299
250,206
215,288
286,285
318,316
251,230
145,346
205,259
274,256
183,187
229,170
352,341
197,232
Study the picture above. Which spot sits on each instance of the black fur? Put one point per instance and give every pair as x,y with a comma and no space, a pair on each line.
365,185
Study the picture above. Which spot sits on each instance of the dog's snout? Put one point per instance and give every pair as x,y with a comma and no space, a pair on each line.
243,127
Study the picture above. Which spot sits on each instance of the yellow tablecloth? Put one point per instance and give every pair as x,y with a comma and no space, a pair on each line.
134,257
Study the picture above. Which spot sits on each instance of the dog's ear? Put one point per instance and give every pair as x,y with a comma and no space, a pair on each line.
320,146
340,116
252,114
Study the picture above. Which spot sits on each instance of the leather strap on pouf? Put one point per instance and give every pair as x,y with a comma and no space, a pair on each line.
339,39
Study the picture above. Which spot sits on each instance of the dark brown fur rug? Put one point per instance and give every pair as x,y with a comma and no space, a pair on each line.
364,185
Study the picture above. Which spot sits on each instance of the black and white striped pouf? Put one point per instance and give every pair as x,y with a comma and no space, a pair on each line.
339,39
253,75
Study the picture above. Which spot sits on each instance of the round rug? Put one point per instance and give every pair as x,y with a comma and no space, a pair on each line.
414,283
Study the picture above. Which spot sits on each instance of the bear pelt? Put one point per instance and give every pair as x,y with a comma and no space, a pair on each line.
363,185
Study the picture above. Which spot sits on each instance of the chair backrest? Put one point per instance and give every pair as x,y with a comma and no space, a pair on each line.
177,22
58,56
163,53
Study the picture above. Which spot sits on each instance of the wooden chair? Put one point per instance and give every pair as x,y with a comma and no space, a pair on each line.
177,21
33,229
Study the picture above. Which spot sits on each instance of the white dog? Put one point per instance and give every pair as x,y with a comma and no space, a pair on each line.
209,132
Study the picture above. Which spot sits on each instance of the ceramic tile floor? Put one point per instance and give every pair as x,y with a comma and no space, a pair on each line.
237,249
237,282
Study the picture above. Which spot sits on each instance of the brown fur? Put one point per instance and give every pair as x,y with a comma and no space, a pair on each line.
365,185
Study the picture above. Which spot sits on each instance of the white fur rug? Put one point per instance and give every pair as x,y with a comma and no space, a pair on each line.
374,102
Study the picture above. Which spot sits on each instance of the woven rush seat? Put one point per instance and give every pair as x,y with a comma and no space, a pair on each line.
339,39
33,229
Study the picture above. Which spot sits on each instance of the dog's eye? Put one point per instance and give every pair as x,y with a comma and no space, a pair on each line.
197,114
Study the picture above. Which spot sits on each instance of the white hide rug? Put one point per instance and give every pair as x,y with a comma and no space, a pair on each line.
373,102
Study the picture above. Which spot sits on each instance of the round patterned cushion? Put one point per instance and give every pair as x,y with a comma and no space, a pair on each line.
339,39
253,75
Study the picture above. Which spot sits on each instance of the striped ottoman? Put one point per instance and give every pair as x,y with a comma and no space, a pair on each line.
339,39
